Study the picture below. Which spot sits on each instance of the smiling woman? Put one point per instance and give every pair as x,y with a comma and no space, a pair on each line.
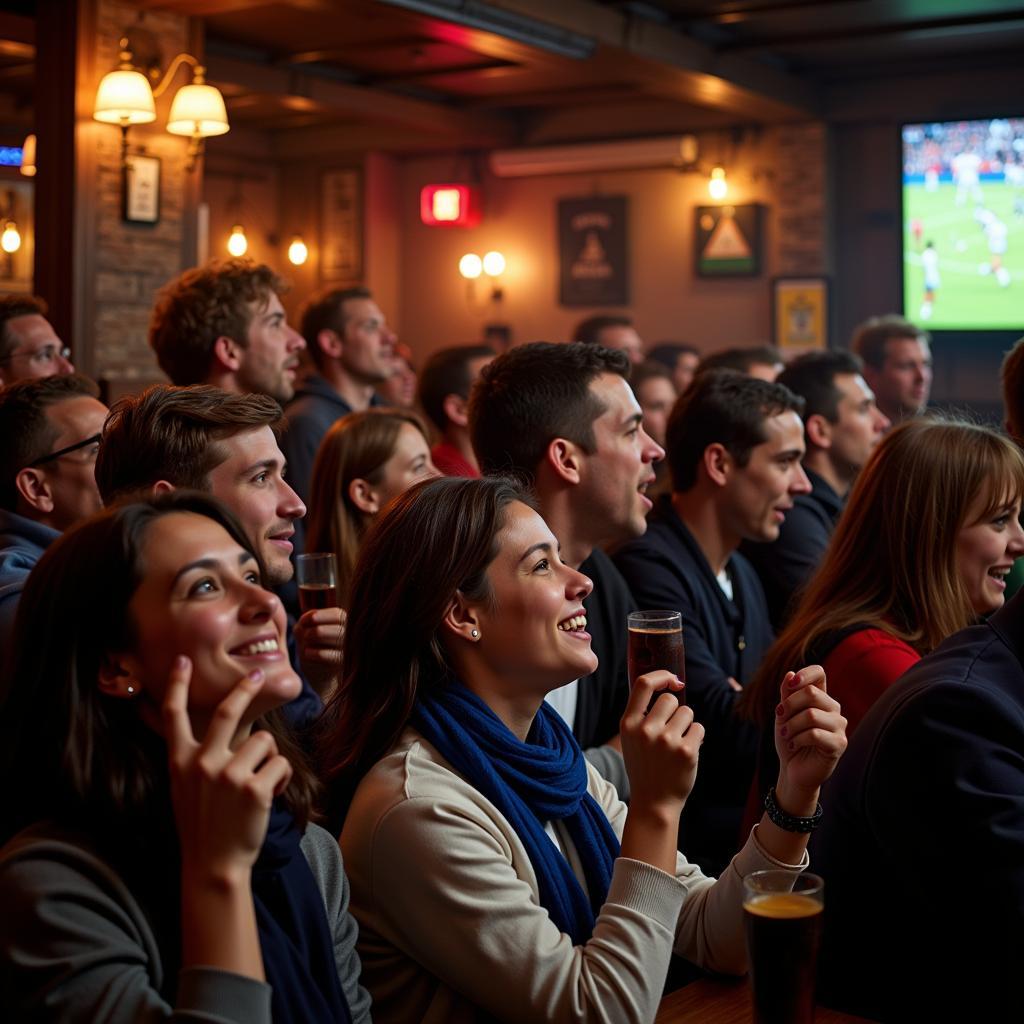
161,691
365,460
496,875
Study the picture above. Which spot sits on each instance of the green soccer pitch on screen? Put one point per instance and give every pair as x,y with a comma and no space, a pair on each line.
963,224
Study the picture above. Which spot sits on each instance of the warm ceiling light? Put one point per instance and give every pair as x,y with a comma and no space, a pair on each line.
238,244
298,253
124,96
470,266
494,264
28,156
10,240
717,185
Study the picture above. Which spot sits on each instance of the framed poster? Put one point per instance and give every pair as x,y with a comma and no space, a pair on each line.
142,190
592,252
800,312
341,226
727,240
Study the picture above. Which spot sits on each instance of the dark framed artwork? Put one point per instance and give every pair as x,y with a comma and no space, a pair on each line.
727,240
341,226
592,251
800,313
142,190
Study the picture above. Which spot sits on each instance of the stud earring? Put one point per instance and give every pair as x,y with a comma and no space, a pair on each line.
131,690
474,633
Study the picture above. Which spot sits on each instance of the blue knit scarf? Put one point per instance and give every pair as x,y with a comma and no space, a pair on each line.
541,780
295,938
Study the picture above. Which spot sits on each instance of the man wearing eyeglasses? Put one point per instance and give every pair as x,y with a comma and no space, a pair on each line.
29,346
51,435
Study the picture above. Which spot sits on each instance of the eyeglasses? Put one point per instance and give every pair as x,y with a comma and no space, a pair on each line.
42,460
46,354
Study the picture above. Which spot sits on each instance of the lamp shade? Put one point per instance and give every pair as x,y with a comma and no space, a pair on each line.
198,109
124,97
28,156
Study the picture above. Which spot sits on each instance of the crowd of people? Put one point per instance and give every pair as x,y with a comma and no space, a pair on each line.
441,800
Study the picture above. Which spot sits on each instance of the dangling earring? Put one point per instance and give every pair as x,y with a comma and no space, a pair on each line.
474,633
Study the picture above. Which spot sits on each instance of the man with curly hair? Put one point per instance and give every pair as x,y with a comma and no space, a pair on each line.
223,324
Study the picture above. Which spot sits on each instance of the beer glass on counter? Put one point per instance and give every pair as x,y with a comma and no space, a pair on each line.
656,641
317,577
783,913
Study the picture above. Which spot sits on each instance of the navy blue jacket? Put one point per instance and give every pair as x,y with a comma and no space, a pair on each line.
922,845
665,568
787,563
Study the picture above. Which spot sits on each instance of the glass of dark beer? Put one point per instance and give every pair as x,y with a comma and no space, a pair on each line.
656,641
783,912
317,577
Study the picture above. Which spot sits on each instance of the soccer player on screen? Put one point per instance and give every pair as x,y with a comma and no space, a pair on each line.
932,282
965,173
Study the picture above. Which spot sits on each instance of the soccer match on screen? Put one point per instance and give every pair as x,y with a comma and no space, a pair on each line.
963,224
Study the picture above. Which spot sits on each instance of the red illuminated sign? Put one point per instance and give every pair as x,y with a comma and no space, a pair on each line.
450,206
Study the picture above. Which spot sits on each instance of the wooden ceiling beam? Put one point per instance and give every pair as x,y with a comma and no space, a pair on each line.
692,69
369,104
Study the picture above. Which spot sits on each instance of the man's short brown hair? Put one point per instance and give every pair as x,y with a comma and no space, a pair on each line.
10,307
202,305
172,433
871,337
326,312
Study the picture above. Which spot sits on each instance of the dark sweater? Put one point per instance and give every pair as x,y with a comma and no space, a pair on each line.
787,563
666,568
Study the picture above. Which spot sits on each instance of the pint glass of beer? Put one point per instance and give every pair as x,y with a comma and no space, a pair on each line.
317,577
783,912
656,641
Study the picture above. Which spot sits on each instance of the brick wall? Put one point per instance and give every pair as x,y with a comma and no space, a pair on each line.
800,191
130,262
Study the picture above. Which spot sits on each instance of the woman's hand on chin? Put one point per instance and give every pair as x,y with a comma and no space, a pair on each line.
660,745
810,737
222,797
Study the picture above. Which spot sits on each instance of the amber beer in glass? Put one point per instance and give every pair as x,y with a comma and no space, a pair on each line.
656,641
317,577
783,913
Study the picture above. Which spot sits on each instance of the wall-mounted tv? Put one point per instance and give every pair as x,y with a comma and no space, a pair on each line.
963,224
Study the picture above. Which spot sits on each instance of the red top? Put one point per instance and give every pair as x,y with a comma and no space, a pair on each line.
450,462
861,667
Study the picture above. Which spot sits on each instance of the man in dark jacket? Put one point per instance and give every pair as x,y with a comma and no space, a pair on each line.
734,448
922,842
51,433
842,426
564,417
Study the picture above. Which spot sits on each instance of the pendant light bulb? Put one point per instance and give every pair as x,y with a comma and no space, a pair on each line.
238,244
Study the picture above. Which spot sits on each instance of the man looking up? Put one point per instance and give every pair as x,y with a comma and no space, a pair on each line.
897,364
225,444
611,332
51,434
223,324
444,389
353,349
564,417
734,450
29,346
842,426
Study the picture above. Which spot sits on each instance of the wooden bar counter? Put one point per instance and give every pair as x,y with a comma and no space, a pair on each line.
726,1002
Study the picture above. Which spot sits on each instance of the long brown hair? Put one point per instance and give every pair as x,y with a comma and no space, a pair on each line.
892,560
358,446
436,539
84,757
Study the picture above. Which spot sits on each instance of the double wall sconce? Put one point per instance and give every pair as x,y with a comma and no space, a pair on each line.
472,266
125,98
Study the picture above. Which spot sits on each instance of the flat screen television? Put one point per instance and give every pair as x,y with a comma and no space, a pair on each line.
963,224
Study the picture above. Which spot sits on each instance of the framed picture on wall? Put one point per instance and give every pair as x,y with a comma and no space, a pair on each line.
728,240
142,190
592,253
341,226
800,313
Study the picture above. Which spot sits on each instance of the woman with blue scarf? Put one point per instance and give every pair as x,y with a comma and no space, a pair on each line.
165,868
494,874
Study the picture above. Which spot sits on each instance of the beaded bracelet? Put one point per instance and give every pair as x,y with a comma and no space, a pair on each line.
789,822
